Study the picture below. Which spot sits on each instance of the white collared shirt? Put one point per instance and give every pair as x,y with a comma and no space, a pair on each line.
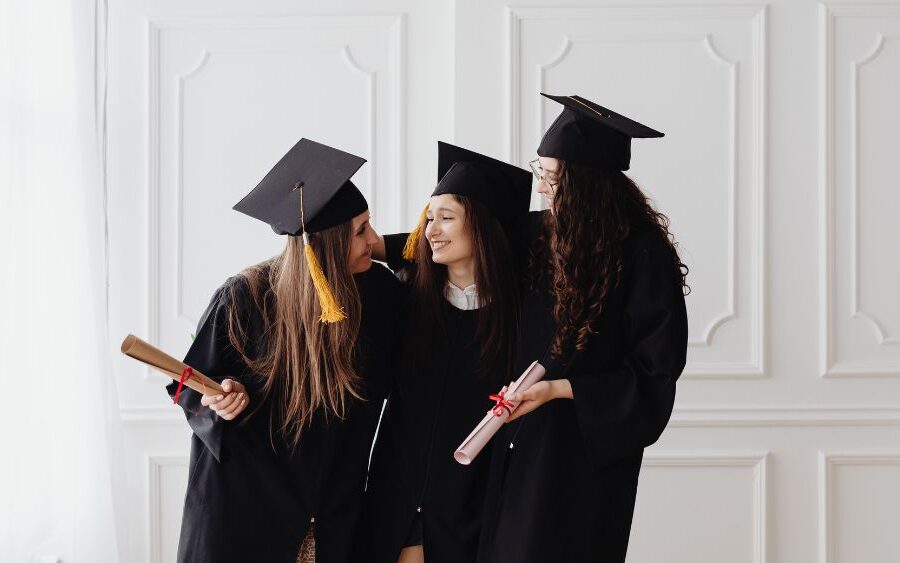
465,299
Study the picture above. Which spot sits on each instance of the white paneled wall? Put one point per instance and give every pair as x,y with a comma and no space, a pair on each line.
780,172
855,504
860,59
728,517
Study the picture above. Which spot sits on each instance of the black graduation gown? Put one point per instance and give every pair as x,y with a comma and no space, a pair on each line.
563,478
428,414
249,499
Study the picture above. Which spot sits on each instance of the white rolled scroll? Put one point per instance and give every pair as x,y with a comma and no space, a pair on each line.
496,416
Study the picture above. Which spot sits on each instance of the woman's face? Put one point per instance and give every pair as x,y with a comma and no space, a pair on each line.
362,238
549,178
446,231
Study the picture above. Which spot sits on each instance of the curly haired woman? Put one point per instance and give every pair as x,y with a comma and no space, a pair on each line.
605,315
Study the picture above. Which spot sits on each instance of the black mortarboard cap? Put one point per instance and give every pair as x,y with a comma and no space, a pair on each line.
501,187
329,197
592,135
504,189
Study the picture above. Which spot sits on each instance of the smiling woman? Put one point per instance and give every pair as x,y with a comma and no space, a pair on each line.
448,231
459,328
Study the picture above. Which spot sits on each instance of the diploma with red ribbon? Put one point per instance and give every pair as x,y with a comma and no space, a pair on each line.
497,415
141,351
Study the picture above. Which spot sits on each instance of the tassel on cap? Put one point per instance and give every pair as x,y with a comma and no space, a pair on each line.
412,241
331,310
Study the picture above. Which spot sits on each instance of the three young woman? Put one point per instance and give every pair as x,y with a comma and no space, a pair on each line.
278,464
458,339
599,302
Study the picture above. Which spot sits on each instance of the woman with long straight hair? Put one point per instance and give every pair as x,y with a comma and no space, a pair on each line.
278,461
458,340
604,313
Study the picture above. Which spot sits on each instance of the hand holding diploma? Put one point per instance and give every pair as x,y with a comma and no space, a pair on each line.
498,415
231,403
227,400
538,394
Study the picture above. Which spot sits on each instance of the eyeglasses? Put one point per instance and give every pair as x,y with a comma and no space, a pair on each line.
536,170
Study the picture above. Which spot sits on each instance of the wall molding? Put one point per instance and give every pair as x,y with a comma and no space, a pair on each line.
155,463
855,308
758,461
828,459
154,33
180,82
783,416
828,366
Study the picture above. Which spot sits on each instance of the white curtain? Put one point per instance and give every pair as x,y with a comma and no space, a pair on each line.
57,411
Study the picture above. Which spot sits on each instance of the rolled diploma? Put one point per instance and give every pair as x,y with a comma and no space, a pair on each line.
491,422
141,351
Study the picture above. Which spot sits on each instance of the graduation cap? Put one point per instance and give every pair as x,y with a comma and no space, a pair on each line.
309,190
591,135
504,189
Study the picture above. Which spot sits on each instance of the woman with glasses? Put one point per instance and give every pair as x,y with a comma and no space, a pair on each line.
604,312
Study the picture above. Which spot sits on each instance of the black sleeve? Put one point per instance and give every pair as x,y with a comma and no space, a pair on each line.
212,354
627,409
393,252
383,297
379,287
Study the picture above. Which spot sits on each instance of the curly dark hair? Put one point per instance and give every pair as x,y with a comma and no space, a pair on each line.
594,212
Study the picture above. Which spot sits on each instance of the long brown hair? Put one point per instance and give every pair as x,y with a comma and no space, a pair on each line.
594,212
305,364
497,293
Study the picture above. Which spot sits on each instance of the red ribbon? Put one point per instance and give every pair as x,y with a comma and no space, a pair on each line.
501,404
185,375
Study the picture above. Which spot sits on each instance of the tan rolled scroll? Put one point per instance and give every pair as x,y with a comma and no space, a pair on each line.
148,354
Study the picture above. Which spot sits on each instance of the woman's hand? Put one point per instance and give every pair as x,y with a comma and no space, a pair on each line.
538,394
230,404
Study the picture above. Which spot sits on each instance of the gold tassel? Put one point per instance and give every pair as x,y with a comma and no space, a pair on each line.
331,311
412,241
